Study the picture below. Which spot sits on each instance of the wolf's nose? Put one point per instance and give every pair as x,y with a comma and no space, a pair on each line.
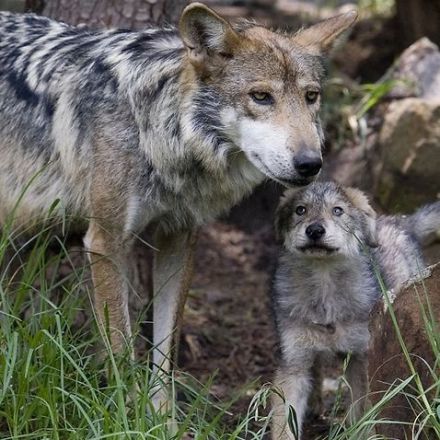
315,231
307,165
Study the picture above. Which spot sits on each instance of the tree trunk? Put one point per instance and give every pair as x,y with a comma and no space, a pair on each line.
132,14
419,18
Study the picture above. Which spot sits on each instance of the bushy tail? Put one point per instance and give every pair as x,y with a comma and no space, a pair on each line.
425,223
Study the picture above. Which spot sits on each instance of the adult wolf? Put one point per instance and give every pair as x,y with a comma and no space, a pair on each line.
162,127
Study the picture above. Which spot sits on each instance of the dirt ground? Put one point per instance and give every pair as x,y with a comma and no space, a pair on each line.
228,324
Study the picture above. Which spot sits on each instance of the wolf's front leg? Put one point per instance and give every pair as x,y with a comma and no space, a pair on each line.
108,257
294,383
171,278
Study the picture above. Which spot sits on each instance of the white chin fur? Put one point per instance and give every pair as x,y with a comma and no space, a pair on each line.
264,144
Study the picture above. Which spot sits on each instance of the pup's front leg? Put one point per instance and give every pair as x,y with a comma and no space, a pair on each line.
357,378
171,278
315,400
295,383
108,257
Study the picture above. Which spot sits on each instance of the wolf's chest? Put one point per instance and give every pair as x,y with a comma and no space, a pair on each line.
199,196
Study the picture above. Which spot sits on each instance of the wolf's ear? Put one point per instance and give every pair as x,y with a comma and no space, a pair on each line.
360,201
205,33
320,37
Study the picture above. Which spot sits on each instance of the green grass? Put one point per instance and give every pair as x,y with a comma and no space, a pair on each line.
59,381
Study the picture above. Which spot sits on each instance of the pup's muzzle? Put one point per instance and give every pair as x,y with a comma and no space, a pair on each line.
315,231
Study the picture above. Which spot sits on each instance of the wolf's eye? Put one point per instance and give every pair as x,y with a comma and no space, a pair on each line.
312,96
338,211
262,98
300,210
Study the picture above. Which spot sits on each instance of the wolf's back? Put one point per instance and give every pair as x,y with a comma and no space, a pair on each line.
424,224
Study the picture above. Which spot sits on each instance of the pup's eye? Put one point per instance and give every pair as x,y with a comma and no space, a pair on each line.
262,98
312,96
300,210
338,211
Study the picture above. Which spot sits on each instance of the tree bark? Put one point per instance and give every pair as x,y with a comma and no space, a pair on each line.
419,18
132,14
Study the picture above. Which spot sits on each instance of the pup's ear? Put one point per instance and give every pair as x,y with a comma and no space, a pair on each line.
284,213
320,37
206,34
360,201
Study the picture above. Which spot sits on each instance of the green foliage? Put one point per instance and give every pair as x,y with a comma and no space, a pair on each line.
377,7
372,95
346,106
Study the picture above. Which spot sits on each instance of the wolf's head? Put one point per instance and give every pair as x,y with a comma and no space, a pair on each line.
326,219
269,85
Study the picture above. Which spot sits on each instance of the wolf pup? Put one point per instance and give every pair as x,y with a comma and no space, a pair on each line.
325,285
163,127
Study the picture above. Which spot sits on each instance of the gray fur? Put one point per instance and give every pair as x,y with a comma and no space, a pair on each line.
322,298
60,86
155,128
159,120
424,223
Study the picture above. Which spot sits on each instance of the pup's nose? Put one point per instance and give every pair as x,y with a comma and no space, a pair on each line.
315,231
307,165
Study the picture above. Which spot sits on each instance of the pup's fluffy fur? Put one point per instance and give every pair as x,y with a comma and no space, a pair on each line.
326,283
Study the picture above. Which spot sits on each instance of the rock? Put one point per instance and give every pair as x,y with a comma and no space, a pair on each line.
409,144
397,158
387,363
406,158
417,71
394,146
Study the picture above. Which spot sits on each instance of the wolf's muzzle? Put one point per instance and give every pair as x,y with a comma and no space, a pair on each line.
307,165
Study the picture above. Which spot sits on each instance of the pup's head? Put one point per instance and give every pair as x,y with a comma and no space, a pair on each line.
325,220
270,87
